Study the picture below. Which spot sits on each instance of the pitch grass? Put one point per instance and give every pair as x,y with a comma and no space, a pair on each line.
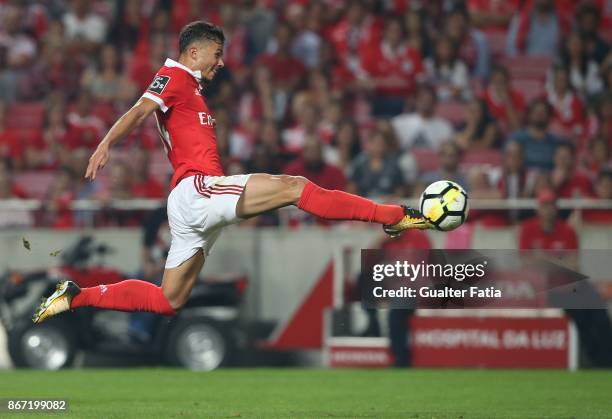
299,393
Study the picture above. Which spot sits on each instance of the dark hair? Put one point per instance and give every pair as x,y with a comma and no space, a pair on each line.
199,30
565,144
605,173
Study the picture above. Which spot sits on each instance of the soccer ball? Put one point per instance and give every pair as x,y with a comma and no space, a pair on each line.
444,204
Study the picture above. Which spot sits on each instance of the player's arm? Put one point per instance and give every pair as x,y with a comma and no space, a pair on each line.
123,127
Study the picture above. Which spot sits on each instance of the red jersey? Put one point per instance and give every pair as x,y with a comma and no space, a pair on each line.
532,236
186,127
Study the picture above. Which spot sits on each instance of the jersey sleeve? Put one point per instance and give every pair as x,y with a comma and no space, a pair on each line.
164,90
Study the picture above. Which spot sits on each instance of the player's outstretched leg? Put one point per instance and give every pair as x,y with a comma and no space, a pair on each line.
129,295
266,192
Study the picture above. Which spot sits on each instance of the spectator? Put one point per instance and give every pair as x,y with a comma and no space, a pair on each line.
391,69
19,45
143,185
106,80
345,145
84,30
422,128
450,157
118,187
376,172
147,60
492,15
10,146
505,103
287,71
57,213
307,116
307,43
603,190
513,182
537,29
235,48
568,181
482,187
537,142
583,71
356,31
270,139
312,166
17,52
588,19
598,157
259,22
8,188
480,131
130,24
568,117
85,130
48,154
260,98
448,72
471,43
416,32
547,231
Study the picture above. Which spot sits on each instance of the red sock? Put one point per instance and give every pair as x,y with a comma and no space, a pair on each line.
338,205
129,295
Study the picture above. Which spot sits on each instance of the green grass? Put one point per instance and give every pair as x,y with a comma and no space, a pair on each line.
297,393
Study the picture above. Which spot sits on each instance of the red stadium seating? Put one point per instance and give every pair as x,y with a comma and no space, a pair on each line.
490,158
453,112
35,184
530,88
26,115
528,67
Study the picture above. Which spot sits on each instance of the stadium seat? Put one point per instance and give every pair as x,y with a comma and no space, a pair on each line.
490,158
36,184
426,158
528,67
26,115
453,112
530,88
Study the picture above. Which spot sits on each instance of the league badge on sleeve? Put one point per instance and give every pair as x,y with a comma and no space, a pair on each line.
159,84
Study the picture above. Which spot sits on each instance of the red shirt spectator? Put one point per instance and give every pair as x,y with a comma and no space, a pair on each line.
505,103
561,237
85,130
547,231
394,71
568,116
603,190
358,31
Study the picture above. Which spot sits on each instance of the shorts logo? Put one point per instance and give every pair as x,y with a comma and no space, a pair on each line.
159,84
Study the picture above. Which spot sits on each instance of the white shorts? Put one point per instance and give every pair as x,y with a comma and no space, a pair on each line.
198,209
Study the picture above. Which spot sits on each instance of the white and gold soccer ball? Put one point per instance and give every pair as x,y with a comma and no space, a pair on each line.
445,205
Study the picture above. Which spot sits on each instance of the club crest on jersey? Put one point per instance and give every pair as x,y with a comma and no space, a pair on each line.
206,119
159,84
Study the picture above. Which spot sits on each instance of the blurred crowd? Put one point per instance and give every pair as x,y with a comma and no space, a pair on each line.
508,98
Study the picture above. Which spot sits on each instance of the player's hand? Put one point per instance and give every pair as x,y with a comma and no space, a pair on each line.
97,161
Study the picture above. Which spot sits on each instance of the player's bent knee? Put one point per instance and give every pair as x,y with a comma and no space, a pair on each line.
176,302
295,186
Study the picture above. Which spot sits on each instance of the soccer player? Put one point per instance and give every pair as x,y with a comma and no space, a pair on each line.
203,200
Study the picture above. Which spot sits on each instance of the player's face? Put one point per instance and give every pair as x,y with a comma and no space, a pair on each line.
208,57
